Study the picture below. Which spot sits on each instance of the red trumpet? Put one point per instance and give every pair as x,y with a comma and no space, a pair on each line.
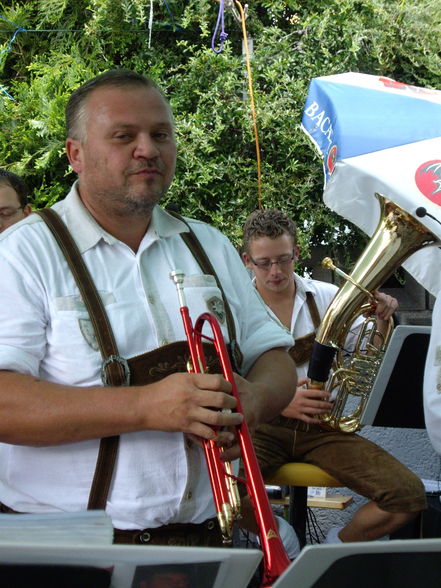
223,481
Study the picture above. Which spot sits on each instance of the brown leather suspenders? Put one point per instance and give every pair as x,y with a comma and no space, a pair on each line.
203,260
115,370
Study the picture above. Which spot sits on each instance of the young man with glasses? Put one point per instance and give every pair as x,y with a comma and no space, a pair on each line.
13,199
396,495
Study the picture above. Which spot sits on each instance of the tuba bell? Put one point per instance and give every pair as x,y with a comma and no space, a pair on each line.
397,236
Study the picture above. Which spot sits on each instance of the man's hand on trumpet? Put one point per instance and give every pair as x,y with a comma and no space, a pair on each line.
196,404
201,405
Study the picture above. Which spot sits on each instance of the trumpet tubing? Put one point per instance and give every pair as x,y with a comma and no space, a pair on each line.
224,495
223,481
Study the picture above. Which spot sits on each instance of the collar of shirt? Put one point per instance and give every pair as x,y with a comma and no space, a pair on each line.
88,232
302,287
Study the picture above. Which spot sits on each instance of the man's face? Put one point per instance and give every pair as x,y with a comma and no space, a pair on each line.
126,160
10,210
277,277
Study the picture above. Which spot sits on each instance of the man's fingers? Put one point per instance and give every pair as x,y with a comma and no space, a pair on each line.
312,394
318,408
199,432
212,382
217,418
200,428
215,400
386,305
225,439
302,382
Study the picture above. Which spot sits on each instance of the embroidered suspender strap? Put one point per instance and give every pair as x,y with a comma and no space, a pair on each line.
115,370
203,260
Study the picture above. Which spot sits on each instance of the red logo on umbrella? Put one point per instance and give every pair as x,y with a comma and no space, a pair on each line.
428,180
332,158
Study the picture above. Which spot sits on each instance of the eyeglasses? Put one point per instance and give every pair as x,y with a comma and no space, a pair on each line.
267,264
6,213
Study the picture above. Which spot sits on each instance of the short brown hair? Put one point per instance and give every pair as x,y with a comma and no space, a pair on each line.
267,223
7,178
120,78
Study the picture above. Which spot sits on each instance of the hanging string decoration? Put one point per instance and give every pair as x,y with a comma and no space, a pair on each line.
240,15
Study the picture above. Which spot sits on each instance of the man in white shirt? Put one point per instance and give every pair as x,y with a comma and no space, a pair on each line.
121,143
13,199
395,494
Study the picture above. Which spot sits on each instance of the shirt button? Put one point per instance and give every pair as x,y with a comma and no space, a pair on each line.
189,495
150,299
163,342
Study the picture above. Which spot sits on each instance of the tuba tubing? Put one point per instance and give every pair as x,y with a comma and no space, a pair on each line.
275,558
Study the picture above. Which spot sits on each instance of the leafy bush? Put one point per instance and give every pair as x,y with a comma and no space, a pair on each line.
61,44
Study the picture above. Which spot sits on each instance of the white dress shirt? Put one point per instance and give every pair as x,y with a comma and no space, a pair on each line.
159,477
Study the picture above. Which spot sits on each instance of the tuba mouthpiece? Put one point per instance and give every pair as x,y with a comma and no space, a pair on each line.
327,263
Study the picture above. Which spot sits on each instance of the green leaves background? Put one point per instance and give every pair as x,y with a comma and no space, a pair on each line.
60,44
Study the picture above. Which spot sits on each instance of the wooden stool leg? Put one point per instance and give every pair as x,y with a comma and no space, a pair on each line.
298,511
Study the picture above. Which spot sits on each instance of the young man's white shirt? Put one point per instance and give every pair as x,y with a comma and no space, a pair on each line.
301,319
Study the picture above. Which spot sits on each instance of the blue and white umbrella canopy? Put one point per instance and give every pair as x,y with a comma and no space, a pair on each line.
379,135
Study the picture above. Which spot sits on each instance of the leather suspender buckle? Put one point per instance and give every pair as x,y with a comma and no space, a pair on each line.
106,377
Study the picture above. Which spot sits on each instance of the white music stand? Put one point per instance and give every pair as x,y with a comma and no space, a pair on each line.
385,564
128,564
396,397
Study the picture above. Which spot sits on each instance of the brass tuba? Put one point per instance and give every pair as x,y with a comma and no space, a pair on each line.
397,236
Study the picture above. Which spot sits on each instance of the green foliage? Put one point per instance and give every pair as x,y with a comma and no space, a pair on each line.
61,44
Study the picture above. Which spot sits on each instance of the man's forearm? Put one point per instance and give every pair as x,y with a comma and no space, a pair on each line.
40,413
275,374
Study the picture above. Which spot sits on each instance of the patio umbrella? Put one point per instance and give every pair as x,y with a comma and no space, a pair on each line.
379,135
